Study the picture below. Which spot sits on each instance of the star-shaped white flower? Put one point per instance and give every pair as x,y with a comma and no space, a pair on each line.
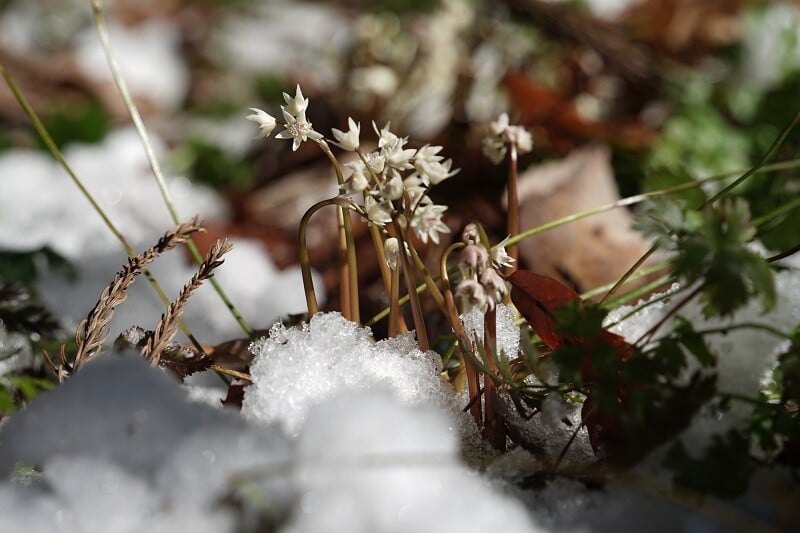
427,222
348,140
298,129
266,122
296,106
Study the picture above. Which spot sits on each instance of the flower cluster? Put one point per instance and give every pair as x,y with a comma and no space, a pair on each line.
501,134
393,179
296,125
481,284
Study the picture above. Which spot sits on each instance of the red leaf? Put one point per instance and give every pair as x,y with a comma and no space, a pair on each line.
537,297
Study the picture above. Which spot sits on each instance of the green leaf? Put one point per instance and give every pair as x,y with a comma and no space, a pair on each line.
693,341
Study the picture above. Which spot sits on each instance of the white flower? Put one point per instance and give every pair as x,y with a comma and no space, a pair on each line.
392,188
427,222
384,136
500,257
296,106
473,294
358,180
494,285
521,137
473,260
396,156
297,128
494,149
266,122
376,162
502,133
378,213
436,172
499,126
391,250
348,140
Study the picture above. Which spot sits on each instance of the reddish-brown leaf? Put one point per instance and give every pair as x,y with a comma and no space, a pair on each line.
537,297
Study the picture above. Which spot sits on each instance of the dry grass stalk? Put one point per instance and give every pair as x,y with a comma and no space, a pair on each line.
91,333
167,326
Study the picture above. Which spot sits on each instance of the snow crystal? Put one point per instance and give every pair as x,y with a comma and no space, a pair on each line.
507,333
297,368
385,467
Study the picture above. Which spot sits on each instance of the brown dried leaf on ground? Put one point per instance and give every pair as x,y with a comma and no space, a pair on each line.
586,253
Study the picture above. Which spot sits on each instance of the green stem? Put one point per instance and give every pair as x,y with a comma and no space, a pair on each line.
761,162
638,198
133,111
750,172
59,156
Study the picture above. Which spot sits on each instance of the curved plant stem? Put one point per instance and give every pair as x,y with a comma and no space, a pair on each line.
59,156
430,283
102,31
464,343
305,261
347,248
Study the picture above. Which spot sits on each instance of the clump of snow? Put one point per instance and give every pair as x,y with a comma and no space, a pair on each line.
15,351
370,463
295,369
122,449
148,417
117,174
507,333
149,59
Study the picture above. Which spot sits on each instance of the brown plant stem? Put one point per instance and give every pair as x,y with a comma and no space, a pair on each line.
416,308
464,342
348,275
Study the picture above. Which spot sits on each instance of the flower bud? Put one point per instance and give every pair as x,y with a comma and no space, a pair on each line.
474,259
391,251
